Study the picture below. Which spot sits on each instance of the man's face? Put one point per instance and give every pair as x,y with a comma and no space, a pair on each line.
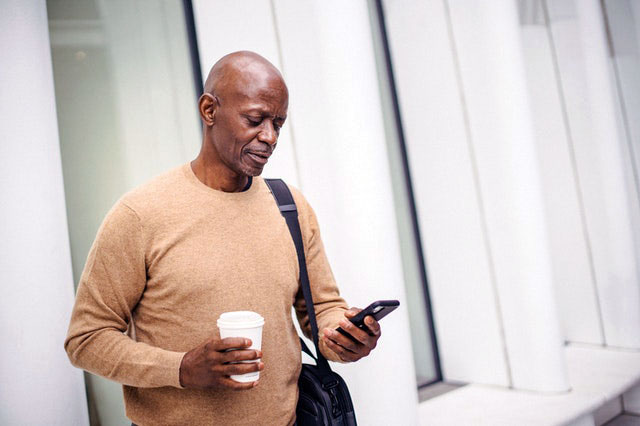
248,119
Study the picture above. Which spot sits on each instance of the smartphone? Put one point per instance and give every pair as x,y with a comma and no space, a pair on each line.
378,310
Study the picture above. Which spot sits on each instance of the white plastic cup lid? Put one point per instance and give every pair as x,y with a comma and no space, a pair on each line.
240,319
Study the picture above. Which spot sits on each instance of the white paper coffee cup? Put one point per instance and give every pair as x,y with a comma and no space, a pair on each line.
243,324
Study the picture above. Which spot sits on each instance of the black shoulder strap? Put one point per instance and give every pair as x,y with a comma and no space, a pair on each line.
287,205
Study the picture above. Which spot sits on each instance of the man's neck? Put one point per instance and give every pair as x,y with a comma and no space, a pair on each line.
218,177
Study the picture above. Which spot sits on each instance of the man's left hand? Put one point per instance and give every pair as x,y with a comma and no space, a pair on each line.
347,349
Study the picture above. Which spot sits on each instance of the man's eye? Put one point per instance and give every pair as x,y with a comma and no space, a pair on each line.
254,121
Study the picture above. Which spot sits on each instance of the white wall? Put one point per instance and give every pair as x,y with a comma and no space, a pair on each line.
487,42
564,207
511,197
587,166
326,54
462,91
39,385
330,65
524,181
467,318
603,164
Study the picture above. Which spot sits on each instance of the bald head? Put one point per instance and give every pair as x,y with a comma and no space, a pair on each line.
239,70
243,108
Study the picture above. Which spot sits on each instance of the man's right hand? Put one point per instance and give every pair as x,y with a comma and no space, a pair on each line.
208,366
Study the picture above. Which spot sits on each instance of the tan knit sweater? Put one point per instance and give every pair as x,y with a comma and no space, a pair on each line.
169,258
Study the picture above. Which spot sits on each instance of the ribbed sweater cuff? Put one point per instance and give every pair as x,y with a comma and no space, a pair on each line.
173,361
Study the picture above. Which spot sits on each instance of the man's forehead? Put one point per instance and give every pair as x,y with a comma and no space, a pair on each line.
257,91
256,81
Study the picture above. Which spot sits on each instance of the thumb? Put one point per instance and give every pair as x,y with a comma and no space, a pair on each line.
351,312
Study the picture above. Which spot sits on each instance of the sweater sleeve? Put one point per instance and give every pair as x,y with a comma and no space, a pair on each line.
329,306
111,285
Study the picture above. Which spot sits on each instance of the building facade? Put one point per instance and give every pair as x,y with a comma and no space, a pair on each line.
478,161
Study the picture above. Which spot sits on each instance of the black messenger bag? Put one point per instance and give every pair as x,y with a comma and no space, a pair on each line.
323,399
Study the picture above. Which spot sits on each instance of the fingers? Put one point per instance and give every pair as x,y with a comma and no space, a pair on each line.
240,355
369,321
364,339
352,312
237,369
344,342
355,332
344,354
372,325
210,365
231,343
241,368
238,386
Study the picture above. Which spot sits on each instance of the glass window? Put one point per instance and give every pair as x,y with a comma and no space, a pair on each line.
420,319
126,104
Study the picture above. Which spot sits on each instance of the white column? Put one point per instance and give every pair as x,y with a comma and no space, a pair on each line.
570,249
328,55
462,89
39,385
487,40
467,318
604,165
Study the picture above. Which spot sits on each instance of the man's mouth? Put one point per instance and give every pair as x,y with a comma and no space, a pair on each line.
259,157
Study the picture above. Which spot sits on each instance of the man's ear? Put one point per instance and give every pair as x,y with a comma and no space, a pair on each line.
208,105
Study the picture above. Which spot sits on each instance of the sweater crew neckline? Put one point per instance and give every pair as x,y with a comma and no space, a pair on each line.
193,179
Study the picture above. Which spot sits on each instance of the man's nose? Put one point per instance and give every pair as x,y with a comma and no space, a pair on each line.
268,133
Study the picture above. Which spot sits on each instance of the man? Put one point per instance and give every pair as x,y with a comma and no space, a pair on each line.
197,241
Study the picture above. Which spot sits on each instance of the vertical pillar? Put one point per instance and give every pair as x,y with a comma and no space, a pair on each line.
39,385
604,164
493,81
570,249
466,314
328,56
